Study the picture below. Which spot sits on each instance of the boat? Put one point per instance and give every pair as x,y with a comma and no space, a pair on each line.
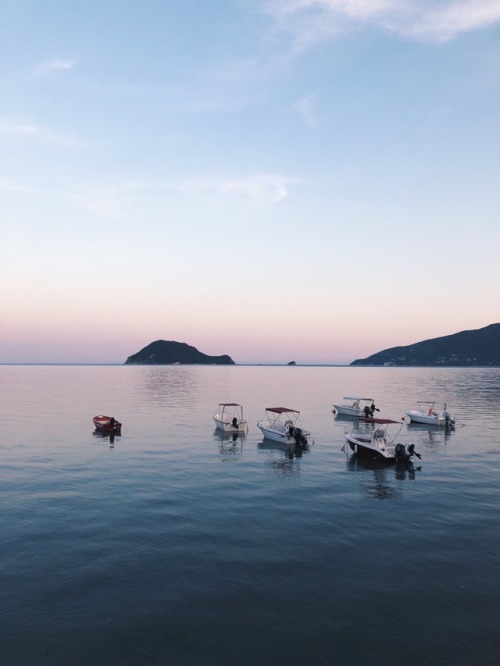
356,407
281,424
375,444
107,424
229,418
428,415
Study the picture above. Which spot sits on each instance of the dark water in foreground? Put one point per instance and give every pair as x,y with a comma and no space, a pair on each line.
170,546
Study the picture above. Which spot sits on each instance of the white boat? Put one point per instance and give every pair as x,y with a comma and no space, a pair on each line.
229,418
282,425
428,415
376,445
355,406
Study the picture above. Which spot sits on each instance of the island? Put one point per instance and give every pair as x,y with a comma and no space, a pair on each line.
169,352
480,347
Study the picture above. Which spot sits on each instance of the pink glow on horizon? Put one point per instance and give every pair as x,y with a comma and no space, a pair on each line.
105,346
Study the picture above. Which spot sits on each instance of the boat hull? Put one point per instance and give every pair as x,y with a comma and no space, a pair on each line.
425,419
344,410
103,423
282,435
275,435
227,426
367,447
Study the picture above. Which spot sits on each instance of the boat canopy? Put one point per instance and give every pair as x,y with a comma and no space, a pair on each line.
348,397
281,410
229,404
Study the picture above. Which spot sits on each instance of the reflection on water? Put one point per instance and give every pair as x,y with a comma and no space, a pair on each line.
106,437
166,384
383,474
291,450
343,418
230,444
286,467
284,458
430,435
158,549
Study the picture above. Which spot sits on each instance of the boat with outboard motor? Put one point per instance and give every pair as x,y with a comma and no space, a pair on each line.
355,407
229,418
375,444
281,424
107,424
428,415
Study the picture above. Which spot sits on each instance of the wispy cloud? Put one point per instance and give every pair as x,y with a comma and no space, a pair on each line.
258,189
36,132
51,66
11,186
306,108
117,201
17,128
114,201
310,21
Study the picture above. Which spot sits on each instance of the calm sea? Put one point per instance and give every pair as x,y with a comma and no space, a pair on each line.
172,546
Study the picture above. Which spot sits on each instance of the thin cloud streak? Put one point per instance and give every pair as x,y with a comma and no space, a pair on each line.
310,21
306,108
52,66
260,189
29,130
17,128
114,202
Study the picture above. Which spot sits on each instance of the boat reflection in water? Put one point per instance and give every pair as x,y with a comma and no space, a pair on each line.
283,458
230,444
429,435
290,450
382,487
106,435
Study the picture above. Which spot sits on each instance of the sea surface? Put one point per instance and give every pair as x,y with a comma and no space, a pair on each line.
171,545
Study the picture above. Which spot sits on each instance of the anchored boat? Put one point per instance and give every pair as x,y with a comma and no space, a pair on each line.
107,424
229,418
281,424
356,407
376,444
428,415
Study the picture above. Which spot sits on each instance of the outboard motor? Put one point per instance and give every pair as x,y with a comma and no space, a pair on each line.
299,437
412,452
368,412
234,422
449,421
401,453
405,455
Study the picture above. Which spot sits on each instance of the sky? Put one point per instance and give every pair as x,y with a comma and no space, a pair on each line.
277,180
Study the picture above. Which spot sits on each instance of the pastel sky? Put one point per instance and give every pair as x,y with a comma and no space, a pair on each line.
308,180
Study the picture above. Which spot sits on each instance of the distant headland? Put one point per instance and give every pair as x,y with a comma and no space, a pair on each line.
479,347
475,348
168,352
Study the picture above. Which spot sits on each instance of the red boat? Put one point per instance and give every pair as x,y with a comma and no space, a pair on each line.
107,423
